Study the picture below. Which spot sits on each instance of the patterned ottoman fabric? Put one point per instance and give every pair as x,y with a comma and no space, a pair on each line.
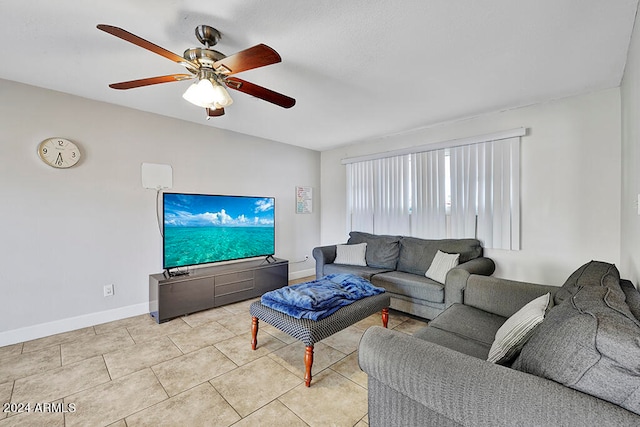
311,331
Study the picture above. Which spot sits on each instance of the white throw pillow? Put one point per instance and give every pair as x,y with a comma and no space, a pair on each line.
351,254
440,266
515,332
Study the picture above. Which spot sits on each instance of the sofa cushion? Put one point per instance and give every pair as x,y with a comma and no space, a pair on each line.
515,332
362,271
464,329
382,251
441,265
410,285
593,273
351,254
455,342
416,254
589,342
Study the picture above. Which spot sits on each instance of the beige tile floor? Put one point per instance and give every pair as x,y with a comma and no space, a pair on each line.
197,370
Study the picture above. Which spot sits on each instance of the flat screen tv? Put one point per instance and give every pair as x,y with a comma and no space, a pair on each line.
205,228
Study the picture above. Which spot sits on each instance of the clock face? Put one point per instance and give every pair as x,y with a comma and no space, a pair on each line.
59,152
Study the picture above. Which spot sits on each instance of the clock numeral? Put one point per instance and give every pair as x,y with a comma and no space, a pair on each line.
59,152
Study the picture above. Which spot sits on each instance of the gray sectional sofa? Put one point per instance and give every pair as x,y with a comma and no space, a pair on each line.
580,366
399,264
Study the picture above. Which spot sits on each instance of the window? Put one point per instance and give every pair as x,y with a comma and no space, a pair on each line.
464,190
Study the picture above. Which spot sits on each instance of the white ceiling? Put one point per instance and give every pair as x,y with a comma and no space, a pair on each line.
358,69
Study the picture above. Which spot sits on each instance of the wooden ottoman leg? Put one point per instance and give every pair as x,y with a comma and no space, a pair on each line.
254,333
308,361
385,317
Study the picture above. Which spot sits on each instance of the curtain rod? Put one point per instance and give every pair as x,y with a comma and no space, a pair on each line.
512,133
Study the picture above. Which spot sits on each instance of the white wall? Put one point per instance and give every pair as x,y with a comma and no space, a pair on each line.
570,182
630,227
66,233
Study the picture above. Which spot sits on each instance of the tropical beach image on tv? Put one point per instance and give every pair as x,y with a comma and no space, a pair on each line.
201,228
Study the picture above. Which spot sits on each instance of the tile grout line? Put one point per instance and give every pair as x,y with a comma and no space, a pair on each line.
290,409
347,378
329,369
107,367
226,401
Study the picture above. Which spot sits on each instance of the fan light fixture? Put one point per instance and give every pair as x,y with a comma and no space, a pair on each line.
207,92
212,71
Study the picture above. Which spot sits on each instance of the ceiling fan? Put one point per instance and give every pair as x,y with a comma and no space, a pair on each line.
214,70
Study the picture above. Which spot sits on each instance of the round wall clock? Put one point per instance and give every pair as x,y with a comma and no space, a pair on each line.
59,152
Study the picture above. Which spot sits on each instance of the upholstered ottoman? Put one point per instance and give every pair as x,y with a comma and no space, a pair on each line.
311,331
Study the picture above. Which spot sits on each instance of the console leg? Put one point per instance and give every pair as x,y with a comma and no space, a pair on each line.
308,361
385,317
254,333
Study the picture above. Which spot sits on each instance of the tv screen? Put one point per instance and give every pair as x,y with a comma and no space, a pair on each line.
203,228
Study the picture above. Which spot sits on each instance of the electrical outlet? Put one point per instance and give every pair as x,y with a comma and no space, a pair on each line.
108,290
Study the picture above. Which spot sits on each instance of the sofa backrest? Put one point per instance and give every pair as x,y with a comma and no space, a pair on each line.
589,341
417,254
501,296
382,251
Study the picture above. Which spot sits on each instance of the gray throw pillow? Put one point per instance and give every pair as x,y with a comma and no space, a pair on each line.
592,273
382,250
591,343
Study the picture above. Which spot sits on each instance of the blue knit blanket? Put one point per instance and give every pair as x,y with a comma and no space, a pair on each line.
319,298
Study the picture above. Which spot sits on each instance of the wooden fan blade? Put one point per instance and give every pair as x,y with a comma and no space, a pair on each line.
248,59
132,38
214,112
260,92
151,81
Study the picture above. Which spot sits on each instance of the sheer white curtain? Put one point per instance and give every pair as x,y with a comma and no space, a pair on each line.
428,196
407,194
378,195
391,196
485,193
464,190
360,179
499,204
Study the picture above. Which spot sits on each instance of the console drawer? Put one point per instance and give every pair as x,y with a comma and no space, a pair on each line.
237,276
233,288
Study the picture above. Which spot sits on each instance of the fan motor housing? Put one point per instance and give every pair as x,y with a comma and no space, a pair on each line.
208,35
204,57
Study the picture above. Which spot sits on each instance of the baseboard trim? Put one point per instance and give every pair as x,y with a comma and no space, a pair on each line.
70,324
302,273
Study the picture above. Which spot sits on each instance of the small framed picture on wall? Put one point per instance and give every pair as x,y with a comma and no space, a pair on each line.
304,200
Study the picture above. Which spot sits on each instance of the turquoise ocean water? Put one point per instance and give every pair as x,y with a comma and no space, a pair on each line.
196,245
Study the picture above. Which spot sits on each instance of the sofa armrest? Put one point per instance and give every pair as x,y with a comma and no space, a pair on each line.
457,277
323,255
409,377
